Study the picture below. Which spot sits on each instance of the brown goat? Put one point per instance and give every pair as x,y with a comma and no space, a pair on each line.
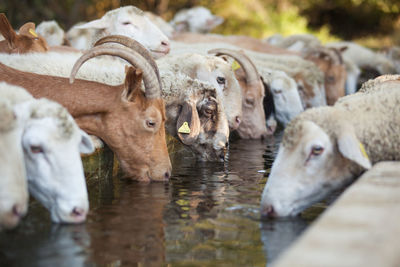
129,121
24,42
330,62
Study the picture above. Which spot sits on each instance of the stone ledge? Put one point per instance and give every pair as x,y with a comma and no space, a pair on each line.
362,228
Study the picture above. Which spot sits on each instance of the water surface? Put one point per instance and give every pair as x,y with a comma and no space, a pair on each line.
207,215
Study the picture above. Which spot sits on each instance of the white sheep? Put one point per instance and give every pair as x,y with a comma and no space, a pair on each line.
326,148
52,143
286,97
129,21
365,58
52,32
294,42
13,183
196,19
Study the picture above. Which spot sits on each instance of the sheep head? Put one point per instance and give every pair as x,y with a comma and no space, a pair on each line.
131,22
25,41
313,160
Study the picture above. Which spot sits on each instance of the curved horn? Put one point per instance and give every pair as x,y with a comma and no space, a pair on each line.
244,61
152,89
133,44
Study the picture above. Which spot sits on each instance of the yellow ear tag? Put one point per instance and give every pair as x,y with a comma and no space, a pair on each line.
235,65
363,151
32,31
184,128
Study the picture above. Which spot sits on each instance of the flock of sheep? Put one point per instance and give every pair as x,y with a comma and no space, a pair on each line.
197,86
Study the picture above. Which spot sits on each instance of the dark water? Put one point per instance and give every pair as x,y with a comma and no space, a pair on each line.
207,215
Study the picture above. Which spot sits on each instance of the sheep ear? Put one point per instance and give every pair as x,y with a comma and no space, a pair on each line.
86,145
101,23
181,26
343,48
7,31
188,124
351,148
133,83
28,29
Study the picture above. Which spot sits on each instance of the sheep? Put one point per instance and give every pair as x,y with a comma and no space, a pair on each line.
13,184
196,19
286,98
326,148
129,21
253,124
51,143
393,54
25,41
199,104
330,62
80,39
365,59
52,32
100,109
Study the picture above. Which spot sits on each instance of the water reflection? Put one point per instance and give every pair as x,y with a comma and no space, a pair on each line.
207,215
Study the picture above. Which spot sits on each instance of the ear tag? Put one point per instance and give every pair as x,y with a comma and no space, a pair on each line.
184,128
32,31
235,65
363,151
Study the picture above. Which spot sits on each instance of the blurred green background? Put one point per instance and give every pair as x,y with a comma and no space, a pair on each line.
374,23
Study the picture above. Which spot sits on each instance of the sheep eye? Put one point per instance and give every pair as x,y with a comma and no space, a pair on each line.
126,23
330,79
36,149
221,80
150,123
277,91
250,101
208,112
317,150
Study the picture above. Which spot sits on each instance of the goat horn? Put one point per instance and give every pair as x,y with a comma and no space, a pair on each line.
133,44
152,89
244,61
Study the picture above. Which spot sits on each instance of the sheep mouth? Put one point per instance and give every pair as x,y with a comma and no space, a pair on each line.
159,53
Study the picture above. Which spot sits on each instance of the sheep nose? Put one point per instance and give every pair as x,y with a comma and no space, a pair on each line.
238,120
78,212
167,175
268,211
19,210
165,46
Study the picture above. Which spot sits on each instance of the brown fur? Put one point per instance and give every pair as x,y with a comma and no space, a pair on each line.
253,125
116,114
330,62
21,43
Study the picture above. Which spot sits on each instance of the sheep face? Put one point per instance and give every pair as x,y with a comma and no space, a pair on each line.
131,22
218,72
13,185
310,167
25,41
52,147
52,32
205,117
197,19
286,97
253,125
